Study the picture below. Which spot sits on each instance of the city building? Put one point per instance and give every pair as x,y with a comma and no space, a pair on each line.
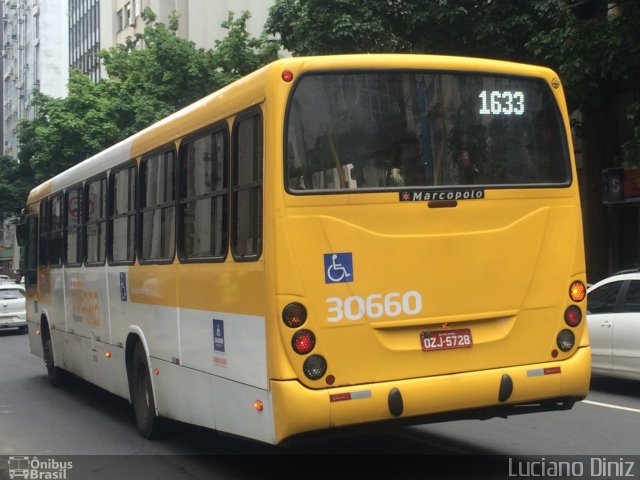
200,20
33,32
95,25
42,39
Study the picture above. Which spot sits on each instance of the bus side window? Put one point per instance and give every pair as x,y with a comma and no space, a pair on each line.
43,244
95,221
56,237
204,197
73,227
157,197
31,252
122,215
246,221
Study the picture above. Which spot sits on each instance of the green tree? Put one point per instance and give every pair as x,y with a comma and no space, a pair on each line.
312,27
67,130
16,179
167,73
239,54
150,76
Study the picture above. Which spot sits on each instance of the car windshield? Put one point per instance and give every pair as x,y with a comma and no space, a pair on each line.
392,130
11,293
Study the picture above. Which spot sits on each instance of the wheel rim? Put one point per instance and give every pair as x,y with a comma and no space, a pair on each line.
48,354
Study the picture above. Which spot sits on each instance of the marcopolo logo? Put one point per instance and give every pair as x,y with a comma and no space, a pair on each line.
38,469
441,195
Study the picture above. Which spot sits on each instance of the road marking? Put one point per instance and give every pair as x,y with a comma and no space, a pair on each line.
615,407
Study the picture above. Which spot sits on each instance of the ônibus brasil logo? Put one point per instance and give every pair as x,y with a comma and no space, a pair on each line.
37,469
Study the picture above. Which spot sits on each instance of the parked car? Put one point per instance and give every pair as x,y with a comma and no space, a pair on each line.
613,320
12,306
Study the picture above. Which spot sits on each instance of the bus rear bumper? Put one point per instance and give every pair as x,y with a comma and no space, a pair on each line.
481,394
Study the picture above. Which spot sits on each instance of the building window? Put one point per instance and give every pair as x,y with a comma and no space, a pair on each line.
157,180
120,20
204,196
128,19
246,219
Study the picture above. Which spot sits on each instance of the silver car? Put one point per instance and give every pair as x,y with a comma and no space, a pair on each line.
613,319
12,306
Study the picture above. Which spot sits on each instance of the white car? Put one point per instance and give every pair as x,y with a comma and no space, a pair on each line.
12,306
613,319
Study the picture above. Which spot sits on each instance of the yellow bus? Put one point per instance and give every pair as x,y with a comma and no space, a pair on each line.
327,242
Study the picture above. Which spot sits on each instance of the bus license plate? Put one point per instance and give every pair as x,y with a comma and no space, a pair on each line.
446,339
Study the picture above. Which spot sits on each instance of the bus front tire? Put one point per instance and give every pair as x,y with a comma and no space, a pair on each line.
144,405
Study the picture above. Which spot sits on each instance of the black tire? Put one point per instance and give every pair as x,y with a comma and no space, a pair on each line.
56,375
144,405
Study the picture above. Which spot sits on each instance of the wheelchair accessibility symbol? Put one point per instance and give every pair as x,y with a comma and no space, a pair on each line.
338,267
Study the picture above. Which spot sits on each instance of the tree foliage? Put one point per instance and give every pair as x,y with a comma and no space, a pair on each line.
238,54
16,179
594,53
150,76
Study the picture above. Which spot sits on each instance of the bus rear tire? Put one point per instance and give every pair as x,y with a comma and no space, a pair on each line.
56,374
144,405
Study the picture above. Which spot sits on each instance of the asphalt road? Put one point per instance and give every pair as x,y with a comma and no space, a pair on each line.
96,432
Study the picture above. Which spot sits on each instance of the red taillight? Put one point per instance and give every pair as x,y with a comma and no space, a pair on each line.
303,341
577,291
294,315
573,316
287,76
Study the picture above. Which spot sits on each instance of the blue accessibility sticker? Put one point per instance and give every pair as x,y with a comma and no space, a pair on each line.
338,267
218,335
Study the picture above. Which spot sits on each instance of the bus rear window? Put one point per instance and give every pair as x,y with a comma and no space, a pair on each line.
393,130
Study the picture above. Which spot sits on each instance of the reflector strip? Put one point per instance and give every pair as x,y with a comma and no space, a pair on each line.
341,397
543,371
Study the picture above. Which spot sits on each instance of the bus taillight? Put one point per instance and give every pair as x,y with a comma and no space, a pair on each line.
315,367
577,291
573,316
566,339
294,315
303,341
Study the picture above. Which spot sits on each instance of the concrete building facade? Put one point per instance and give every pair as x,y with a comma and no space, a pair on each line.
32,58
41,39
200,20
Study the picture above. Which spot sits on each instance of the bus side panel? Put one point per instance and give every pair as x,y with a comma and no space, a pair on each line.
222,320
184,394
211,401
86,305
225,344
33,319
153,308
